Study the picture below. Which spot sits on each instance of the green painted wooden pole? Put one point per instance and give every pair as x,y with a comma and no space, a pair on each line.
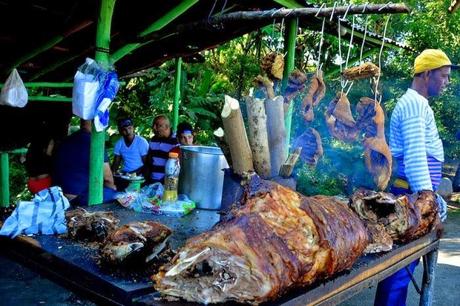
157,25
50,99
96,156
177,93
4,180
289,47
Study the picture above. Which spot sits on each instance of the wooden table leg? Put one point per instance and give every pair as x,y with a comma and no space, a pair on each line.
429,264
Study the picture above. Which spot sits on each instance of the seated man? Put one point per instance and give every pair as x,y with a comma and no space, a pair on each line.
159,147
71,167
132,149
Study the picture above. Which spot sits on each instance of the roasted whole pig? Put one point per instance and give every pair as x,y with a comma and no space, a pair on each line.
135,241
404,218
90,226
276,240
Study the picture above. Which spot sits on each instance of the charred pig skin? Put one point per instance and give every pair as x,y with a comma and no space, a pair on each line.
277,240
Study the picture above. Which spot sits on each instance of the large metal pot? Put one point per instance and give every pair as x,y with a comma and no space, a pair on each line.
201,175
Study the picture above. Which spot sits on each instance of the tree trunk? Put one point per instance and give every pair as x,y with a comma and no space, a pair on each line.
276,133
235,135
220,139
258,138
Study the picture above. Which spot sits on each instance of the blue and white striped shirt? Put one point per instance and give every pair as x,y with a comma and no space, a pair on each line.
414,139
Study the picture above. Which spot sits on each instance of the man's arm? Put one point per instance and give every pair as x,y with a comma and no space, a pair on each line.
108,177
415,159
116,163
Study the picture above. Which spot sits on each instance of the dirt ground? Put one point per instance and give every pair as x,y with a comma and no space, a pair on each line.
21,286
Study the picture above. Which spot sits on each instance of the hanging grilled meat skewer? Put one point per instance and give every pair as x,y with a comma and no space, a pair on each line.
315,94
339,119
363,71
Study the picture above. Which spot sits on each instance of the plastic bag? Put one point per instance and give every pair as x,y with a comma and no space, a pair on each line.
106,93
14,93
85,89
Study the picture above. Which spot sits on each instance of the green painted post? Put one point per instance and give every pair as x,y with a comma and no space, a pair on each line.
177,93
4,180
289,47
96,157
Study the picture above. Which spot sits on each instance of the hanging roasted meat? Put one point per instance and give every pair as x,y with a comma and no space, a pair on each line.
377,155
314,95
339,120
363,71
135,242
295,85
404,218
90,226
312,148
273,65
266,85
277,239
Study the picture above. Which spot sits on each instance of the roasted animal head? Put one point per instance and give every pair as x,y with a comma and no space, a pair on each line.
90,226
135,242
404,218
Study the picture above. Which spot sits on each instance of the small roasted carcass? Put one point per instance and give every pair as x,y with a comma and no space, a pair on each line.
377,155
404,218
90,226
339,120
276,240
363,71
311,144
135,242
314,95
273,65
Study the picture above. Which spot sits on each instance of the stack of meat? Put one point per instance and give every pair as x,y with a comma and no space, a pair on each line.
277,240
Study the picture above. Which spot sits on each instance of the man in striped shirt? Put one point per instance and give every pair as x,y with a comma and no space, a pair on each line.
159,146
417,149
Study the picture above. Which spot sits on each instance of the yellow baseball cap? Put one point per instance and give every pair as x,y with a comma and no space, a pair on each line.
431,59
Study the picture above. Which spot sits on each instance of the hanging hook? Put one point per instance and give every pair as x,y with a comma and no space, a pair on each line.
320,46
333,10
350,45
212,11
364,8
380,58
385,6
364,39
346,12
320,8
349,88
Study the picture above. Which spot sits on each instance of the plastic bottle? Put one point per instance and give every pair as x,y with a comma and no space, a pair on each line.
172,169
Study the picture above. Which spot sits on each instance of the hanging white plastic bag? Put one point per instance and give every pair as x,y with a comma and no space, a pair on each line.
14,93
85,89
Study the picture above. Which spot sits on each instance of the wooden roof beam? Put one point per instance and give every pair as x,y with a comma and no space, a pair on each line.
157,25
48,45
389,8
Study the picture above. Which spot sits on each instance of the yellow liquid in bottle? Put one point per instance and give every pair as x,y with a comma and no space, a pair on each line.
170,195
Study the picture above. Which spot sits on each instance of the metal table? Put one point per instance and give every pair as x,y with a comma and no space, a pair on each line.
75,265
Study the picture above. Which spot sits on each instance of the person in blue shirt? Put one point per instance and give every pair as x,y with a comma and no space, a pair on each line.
418,151
71,167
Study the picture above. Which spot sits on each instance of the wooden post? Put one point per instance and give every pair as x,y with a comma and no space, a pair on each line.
96,156
177,93
276,133
289,47
235,134
258,138
4,180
